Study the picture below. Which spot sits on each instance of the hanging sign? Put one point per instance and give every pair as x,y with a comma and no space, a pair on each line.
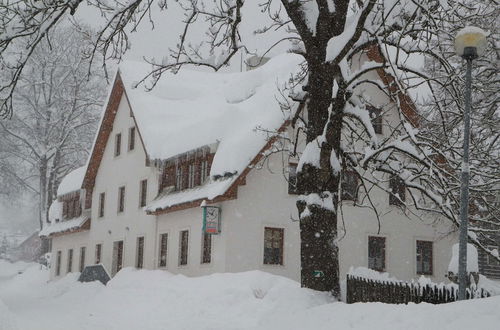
211,219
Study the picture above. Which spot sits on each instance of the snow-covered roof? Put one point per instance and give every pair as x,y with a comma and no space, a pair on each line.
72,181
63,226
208,191
190,109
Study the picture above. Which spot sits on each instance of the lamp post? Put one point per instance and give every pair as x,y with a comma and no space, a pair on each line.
470,43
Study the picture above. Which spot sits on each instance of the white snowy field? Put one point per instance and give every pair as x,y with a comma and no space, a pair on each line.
252,300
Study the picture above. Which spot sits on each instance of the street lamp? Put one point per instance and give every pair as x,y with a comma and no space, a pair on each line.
470,43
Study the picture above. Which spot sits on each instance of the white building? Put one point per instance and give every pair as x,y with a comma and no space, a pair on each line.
159,155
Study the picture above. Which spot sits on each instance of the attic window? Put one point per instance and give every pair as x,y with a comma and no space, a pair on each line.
118,144
397,187
376,118
349,185
178,178
131,138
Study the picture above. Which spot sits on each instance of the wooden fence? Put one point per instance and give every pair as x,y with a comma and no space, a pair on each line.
365,290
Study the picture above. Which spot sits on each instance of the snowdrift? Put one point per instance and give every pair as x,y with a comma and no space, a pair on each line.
142,299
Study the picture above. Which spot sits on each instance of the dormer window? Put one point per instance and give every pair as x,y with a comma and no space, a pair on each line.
203,171
118,144
71,206
178,178
186,171
191,173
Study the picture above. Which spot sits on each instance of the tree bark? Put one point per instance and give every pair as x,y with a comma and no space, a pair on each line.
318,228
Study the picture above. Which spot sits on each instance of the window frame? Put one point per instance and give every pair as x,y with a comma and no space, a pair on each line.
58,262
267,259
69,262
376,119
98,254
206,250
118,144
419,245
384,252
396,183
203,171
183,249
191,175
178,178
139,252
131,138
121,199
349,186
292,179
162,251
118,256
81,263
143,192
102,201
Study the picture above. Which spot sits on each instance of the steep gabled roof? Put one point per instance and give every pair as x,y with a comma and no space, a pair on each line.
190,109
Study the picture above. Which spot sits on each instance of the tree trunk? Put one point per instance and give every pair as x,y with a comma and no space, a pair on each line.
318,226
42,202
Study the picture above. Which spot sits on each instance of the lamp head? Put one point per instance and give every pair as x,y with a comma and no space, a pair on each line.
470,42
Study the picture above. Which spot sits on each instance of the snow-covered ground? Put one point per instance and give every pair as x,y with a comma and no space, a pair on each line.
252,300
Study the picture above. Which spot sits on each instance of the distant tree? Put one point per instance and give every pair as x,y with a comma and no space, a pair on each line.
56,112
443,113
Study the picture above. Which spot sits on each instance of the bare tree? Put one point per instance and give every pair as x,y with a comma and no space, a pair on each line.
56,113
331,35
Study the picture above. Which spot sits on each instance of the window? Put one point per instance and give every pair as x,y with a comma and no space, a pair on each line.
349,185
131,138
71,207
58,263
376,253
140,252
117,262
273,246
183,247
82,259
178,178
206,256
102,197
121,199
492,261
203,171
118,144
162,262
98,253
191,176
376,118
143,193
70,261
292,179
397,187
424,258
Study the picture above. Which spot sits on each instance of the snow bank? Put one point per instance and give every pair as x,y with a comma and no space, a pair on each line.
7,319
472,259
142,299
72,181
9,269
